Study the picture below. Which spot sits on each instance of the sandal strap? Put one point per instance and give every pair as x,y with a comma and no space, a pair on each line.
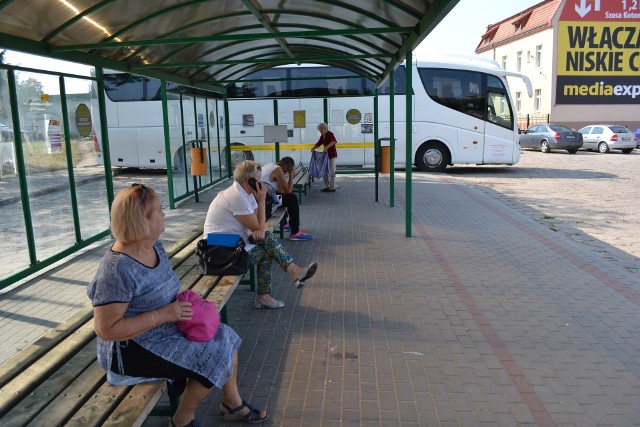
251,416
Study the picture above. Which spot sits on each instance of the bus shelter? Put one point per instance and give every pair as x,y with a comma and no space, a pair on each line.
196,50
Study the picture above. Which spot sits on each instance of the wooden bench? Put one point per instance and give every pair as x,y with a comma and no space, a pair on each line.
58,381
302,181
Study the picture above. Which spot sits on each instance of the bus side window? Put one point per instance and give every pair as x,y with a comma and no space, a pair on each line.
499,110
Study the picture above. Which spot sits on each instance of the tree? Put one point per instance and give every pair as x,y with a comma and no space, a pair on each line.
4,90
29,90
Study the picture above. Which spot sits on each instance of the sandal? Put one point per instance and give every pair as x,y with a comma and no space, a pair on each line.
251,417
307,273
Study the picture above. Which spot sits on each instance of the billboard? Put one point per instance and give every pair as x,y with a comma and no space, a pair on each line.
599,52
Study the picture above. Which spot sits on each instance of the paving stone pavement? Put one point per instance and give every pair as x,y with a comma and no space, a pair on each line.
483,317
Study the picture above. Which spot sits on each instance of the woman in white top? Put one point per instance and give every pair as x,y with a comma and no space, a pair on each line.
240,209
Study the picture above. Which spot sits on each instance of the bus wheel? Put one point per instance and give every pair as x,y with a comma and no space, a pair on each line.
237,156
432,157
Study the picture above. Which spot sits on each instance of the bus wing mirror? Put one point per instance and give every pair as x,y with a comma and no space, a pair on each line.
525,79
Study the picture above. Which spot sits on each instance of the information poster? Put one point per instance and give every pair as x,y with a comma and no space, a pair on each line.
247,120
54,137
300,119
83,120
599,52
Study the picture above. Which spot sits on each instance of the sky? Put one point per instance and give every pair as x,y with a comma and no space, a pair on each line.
459,32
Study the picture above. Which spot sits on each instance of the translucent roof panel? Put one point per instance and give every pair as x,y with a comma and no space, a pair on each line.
205,42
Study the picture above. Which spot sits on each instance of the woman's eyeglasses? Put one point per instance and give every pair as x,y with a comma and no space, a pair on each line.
143,192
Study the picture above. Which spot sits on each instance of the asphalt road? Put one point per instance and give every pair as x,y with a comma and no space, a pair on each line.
593,198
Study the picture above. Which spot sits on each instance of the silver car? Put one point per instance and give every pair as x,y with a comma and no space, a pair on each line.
546,137
608,137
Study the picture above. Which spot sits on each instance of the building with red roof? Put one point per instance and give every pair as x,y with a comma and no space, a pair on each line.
582,56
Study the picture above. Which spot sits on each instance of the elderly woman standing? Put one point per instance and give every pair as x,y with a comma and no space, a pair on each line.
240,209
135,314
328,140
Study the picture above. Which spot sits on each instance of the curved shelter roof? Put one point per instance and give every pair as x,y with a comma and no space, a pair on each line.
208,43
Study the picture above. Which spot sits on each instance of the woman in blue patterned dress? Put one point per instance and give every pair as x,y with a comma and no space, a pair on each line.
135,314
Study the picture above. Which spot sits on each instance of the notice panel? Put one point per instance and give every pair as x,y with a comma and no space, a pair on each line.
599,52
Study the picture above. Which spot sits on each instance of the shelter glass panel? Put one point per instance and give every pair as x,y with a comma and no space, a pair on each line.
202,135
89,176
214,132
186,129
13,236
46,164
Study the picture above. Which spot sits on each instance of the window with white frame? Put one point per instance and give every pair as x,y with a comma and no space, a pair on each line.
538,56
518,101
504,62
519,61
538,98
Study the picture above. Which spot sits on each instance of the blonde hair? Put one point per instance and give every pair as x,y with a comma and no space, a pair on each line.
246,170
129,213
323,125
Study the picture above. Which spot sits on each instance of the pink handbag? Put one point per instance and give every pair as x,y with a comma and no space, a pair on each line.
204,321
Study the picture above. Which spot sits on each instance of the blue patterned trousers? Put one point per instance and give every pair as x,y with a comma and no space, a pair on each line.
263,256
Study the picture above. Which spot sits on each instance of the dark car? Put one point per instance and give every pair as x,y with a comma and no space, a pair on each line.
637,132
6,132
547,137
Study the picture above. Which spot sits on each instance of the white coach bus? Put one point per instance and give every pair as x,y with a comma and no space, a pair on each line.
462,113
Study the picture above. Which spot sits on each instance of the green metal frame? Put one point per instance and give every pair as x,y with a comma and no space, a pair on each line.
36,264
371,63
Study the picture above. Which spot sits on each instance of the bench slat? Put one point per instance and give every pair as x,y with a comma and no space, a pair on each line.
19,362
99,406
29,379
186,268
273,222
178,257
52,389
205,284
72,397
223,290
138,404
188,239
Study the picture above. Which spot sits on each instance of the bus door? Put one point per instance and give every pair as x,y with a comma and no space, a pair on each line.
499,130
471,138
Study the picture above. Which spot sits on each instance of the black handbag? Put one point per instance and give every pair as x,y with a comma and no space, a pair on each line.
219,260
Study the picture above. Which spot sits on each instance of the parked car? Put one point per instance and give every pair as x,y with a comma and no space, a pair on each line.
6,132
547,137
608,137
637,132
